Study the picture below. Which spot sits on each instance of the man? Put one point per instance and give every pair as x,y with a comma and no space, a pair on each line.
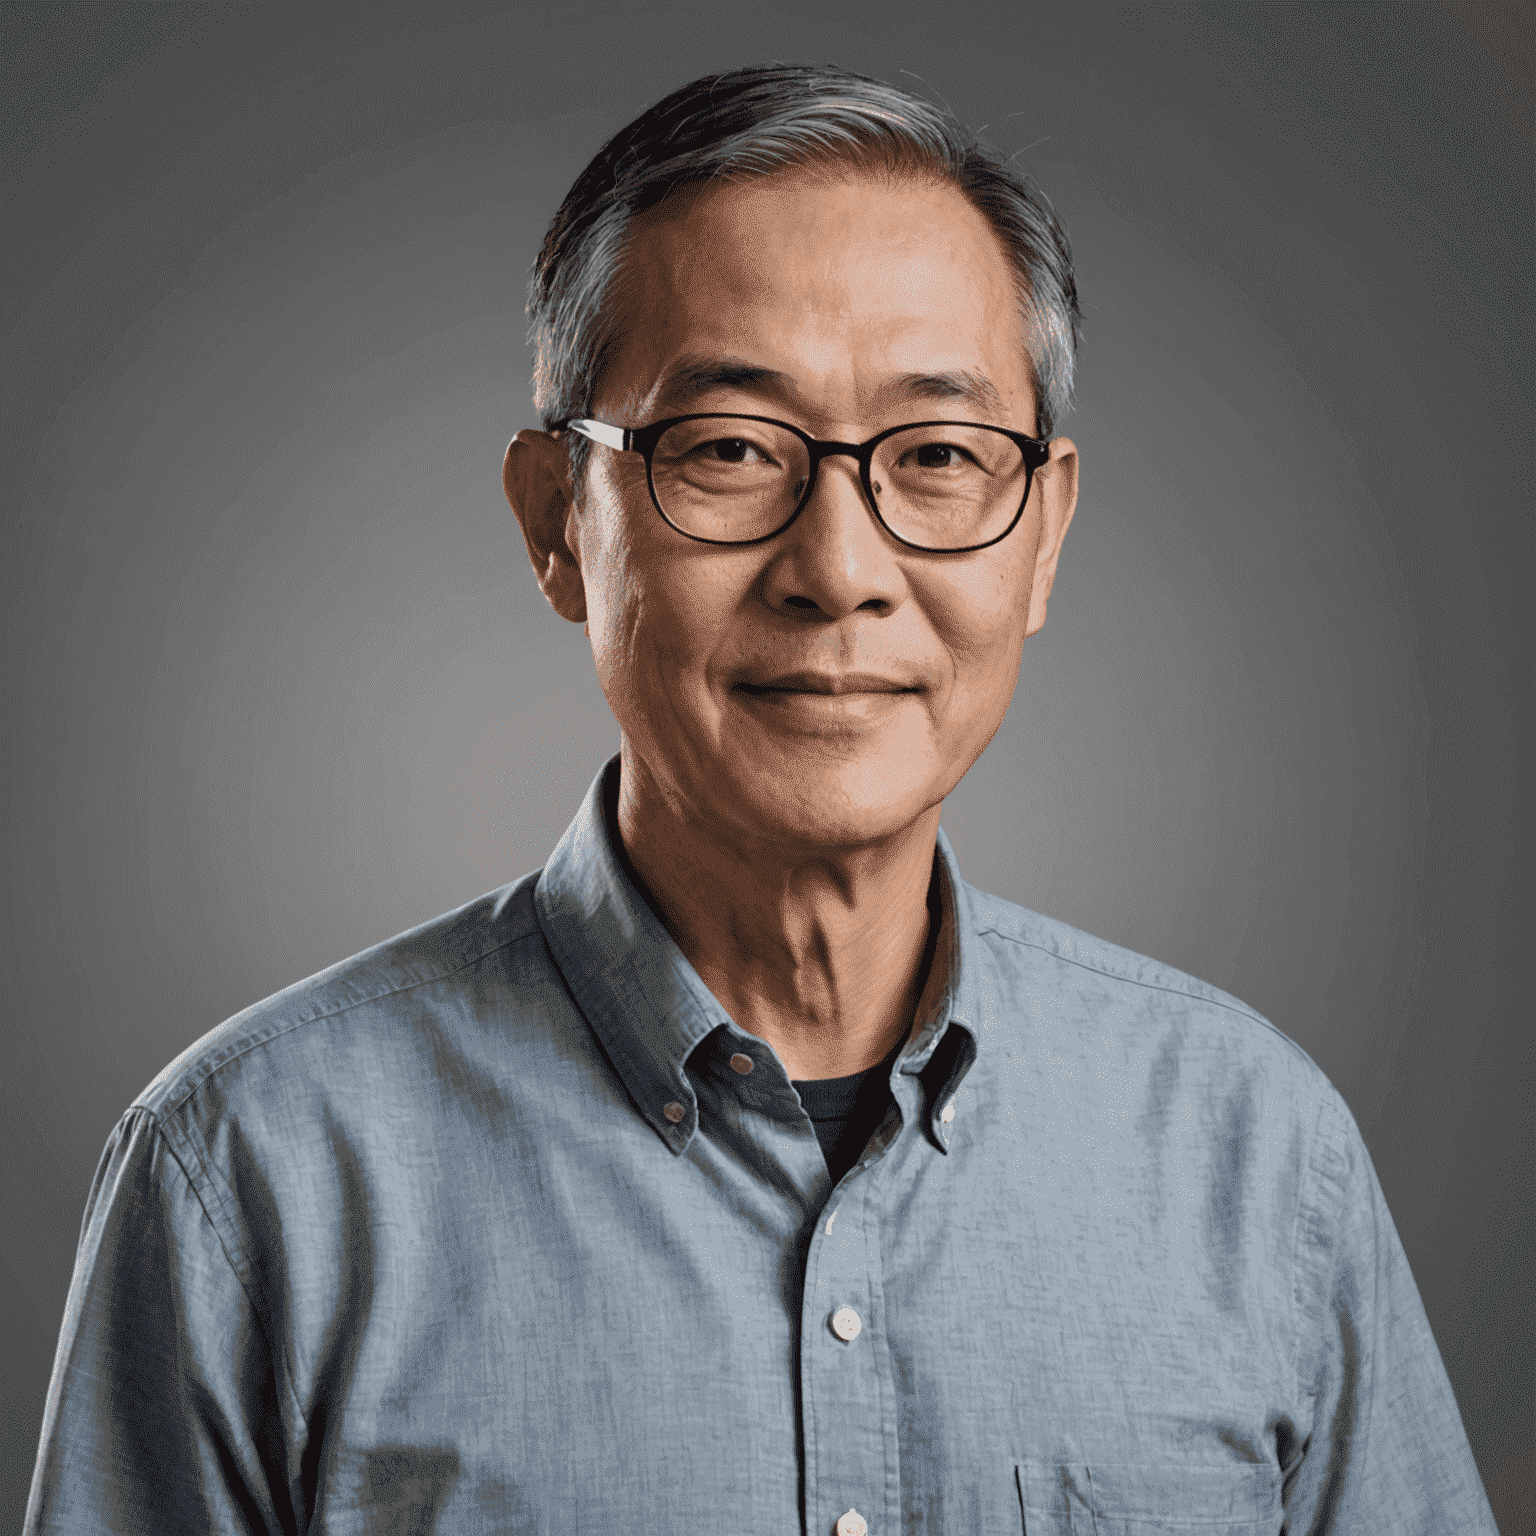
744,1170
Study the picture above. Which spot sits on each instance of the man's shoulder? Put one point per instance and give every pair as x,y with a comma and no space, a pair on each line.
1077,979
386,985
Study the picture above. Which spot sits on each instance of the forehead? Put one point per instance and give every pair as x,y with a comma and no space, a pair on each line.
843,286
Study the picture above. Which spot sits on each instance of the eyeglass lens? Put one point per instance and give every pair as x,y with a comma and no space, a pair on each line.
941,487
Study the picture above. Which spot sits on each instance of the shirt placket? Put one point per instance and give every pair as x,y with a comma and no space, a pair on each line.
850,1450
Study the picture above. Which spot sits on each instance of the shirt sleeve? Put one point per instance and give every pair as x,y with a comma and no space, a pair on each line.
1387,1451
161,1412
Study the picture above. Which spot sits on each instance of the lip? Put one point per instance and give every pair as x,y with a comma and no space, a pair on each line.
830,684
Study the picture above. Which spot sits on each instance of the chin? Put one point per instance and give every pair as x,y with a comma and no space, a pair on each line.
818,800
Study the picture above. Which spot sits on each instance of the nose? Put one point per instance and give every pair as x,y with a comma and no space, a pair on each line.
835,559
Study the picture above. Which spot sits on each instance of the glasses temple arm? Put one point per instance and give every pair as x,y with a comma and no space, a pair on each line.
601,432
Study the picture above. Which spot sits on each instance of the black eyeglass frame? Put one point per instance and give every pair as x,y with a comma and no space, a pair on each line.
643,440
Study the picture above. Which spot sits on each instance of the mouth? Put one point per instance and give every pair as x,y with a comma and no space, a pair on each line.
827,684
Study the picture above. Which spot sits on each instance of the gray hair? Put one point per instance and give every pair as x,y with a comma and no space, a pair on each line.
754,122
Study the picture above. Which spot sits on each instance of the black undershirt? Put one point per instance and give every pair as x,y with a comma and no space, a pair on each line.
846,1111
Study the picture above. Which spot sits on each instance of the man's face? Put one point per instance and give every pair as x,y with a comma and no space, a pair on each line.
825,688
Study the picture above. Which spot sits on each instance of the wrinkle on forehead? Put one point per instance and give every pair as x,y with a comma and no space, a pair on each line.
900,289
694,374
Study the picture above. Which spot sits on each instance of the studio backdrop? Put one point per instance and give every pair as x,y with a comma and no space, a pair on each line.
279,682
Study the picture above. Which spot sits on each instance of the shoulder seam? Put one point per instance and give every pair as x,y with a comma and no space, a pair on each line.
1234,1006
1241,1010
1317,1226
263,1323
362,1002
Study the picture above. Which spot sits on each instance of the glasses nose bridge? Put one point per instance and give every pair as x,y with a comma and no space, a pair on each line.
827,449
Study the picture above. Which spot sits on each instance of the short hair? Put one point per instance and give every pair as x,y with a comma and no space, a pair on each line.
750,123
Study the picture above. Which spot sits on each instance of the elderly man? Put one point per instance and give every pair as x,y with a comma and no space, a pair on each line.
744,1170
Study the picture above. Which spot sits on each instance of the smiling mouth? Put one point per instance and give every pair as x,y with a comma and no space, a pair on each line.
830,687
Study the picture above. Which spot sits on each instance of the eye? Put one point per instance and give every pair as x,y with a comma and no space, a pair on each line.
941,456
730,450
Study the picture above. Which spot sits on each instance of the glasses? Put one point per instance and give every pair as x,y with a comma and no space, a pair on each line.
946,487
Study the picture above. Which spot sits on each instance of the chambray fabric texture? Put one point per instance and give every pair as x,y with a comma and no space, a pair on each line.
413,1246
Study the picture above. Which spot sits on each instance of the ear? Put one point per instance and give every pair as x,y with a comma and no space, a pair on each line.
536,476
1056,486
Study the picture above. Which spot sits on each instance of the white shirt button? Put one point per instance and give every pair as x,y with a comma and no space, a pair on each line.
852,1523
948,1112
673,1111
742,1063
847,1324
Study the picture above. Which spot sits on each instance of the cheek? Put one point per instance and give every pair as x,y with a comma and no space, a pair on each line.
981,623
654,614
615,597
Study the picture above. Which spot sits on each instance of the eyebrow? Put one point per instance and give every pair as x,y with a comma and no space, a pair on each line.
957,384
698,375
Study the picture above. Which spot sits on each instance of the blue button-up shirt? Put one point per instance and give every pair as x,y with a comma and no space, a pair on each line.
481,1231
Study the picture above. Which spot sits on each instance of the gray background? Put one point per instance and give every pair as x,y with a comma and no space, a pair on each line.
279,683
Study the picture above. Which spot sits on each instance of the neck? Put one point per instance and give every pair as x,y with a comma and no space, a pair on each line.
822,952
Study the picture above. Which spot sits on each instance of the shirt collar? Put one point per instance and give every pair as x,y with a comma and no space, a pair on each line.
649,1007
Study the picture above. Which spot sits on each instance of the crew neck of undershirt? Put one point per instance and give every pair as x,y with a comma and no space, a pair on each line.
831,1098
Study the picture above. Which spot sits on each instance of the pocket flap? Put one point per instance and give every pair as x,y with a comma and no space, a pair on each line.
1119,1498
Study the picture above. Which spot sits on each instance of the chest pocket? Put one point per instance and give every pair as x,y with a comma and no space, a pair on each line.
1126,1499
